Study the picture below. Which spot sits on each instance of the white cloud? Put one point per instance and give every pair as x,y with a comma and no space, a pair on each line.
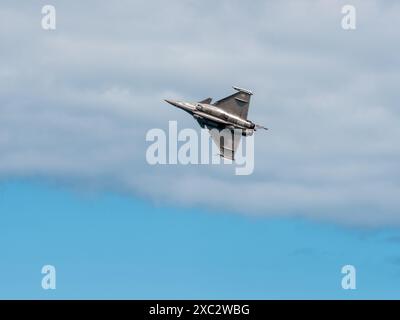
75,103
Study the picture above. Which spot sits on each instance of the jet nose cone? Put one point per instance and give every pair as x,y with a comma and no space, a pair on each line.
173,102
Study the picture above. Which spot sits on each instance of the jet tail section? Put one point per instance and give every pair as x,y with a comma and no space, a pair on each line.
237,103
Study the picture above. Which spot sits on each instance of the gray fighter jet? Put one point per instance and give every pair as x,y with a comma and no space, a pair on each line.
226,119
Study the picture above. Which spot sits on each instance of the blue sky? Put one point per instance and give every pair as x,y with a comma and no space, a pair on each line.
111,246
76,190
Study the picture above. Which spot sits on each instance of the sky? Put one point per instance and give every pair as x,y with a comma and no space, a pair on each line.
76,191
110,246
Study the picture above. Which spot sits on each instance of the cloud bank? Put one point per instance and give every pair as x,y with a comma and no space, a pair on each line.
76,103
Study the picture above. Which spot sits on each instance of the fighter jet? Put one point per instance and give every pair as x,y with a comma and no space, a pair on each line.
228,113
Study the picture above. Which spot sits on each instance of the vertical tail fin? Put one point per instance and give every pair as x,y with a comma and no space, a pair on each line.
237,103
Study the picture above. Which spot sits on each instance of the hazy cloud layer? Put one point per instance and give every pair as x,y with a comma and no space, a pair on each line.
76,103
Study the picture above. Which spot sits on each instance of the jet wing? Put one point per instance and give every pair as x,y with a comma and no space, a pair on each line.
227,140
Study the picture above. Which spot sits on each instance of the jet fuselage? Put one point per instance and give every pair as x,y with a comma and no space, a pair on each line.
214,116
